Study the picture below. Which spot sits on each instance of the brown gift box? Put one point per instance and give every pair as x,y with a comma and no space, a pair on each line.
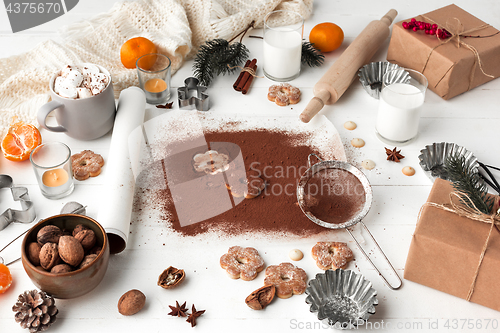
446,248
450,70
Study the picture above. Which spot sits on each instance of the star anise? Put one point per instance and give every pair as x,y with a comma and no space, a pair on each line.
178,310
166,106
393,155
195,314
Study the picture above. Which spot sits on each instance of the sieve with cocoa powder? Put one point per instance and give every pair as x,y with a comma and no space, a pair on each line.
337,195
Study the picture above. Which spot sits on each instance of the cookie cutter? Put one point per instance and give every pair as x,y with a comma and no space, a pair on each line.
200,100
27,214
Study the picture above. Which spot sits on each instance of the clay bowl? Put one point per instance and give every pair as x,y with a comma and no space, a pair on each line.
75,283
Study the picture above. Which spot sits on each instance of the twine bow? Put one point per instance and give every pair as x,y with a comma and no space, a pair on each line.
470,211
457,31
246,69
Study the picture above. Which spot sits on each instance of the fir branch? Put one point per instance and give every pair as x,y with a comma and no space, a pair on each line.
311,56
213,59
467,181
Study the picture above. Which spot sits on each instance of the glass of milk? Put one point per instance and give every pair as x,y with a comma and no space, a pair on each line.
282,45
400,105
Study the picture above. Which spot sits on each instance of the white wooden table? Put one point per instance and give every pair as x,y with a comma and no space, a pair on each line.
471,120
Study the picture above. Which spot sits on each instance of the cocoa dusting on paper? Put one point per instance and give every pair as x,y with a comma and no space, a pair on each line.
281,160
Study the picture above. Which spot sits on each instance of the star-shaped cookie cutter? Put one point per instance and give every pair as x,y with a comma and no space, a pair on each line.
27,214
199,100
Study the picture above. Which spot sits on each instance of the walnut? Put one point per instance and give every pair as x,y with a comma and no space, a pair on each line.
171,277
70,250
49,256
48,234
86,238
131,302
34,253
87,260
61,268
95,250
79,228
261,297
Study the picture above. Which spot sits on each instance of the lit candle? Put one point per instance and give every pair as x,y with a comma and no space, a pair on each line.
55,177
155,85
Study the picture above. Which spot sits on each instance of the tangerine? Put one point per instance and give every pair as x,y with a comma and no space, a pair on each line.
20,141
326,37
135,48
5,278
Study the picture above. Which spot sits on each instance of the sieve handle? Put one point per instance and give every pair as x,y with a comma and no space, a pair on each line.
373,264
309,160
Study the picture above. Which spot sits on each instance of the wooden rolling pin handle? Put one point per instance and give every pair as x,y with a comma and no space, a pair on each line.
389,17
315,104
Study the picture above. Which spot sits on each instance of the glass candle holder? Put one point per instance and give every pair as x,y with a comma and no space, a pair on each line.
400,106
52,165
282,45
153,71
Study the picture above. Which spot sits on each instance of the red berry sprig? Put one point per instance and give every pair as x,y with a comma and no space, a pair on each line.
429,29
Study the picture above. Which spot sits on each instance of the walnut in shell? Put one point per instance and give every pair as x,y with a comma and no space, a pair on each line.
70,250
171,277
34,253
49,256
48,234
131,302
87,238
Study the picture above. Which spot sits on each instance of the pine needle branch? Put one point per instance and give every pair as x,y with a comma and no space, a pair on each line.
467,181
311,56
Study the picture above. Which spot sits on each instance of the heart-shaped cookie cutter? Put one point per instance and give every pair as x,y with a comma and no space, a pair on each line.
27,214
200,100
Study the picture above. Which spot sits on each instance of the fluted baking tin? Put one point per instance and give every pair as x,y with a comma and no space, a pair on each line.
341,298
433,157
371,75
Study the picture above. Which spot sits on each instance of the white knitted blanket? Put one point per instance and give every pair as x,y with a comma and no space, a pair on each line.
177,27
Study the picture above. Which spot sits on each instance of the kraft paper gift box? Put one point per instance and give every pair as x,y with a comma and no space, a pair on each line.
450,68
446,248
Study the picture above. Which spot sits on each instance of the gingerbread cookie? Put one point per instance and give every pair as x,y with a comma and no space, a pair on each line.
211,162
288,279
86,164
242,262
331,255
284,94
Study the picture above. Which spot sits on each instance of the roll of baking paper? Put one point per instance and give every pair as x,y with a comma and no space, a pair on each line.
118,191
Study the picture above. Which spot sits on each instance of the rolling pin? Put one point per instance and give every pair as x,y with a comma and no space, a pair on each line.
343,71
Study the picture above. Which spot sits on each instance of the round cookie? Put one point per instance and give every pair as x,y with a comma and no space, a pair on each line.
86,164
242,262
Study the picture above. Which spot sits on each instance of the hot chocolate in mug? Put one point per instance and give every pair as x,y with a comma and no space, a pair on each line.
81,118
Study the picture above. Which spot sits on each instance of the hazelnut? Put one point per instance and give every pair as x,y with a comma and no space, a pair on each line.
131,302
70,250
79,228
48,234
34,253
61,268
86,238
49,256
87,260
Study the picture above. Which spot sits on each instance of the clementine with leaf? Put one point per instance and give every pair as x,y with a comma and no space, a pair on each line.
135,48
326,37
20,141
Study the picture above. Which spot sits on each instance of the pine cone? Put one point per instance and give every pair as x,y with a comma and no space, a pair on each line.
35,310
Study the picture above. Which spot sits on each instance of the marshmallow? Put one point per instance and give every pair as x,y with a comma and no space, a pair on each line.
58,83
68,92
84,93
88,69
98,83
72,77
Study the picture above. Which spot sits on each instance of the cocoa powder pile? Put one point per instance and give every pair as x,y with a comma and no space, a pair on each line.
281,160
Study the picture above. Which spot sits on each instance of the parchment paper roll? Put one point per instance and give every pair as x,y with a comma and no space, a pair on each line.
118,191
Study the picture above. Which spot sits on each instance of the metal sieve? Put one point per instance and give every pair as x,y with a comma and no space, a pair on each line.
357,218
